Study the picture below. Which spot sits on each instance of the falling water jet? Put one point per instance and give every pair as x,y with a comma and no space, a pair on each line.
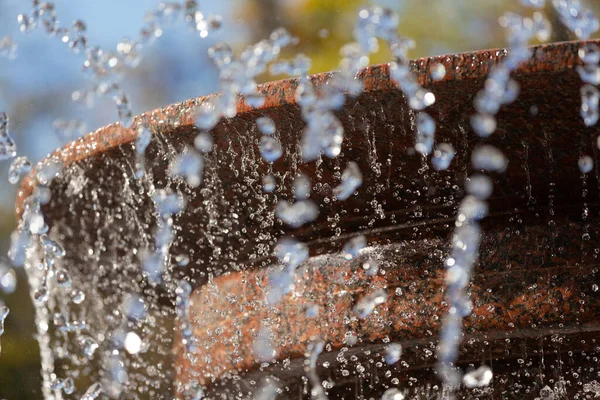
527,283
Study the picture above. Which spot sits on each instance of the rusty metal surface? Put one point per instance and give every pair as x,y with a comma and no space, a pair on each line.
550,58
530,282
534,268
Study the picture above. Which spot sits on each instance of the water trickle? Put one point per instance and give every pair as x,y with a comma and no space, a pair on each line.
8,147
142,141
4,311
78,42
351,180
590,99
313,349
579,20
19,167
48,170
124,111
425,133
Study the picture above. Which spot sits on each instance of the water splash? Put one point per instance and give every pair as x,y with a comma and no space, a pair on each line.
8,147
19,167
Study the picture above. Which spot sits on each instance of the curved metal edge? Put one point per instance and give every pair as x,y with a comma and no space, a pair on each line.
474,65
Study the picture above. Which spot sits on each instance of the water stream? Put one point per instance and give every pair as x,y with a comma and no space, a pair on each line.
362,242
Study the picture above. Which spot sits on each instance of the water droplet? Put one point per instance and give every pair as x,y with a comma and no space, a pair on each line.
207,116
69,386
77,296
189,165
298,213
265,125
270,148
393,352
312,310
483,124
365,306
8,280
351,180
63,278
168,203
291,252
371,267
479,186
442,156
354,246
133,343
589,73
182,260
590,98
438,72
489,158
269,183
79,42
589,53
134,307
88,345
533,3
93,392
586,164
41,295
302,187
204,142
313,349
129,52
263,346
47,170
154,264
221,54
124,111
481,377
392,394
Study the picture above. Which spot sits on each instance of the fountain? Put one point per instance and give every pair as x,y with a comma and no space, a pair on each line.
207,257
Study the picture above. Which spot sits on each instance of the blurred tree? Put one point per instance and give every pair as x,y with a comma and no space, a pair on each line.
438,27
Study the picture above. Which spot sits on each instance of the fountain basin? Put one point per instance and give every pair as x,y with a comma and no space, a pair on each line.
533,282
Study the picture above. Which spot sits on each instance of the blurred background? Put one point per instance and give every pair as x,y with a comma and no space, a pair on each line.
39,85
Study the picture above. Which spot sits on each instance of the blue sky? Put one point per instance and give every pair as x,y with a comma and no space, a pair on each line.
176,65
